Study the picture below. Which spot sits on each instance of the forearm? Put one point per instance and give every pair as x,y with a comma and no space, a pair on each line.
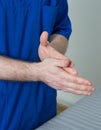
59,42
15,70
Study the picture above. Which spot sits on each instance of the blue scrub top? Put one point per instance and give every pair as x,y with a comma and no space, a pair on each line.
26,105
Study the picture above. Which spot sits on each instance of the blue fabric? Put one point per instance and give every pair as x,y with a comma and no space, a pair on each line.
26,105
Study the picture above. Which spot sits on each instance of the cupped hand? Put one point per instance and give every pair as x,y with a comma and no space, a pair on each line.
52,74
46,50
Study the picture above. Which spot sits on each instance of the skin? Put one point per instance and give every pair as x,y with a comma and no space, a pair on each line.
59,79
56,49
16,70
55,69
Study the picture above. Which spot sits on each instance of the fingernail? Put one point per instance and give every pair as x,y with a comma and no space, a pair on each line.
89,83
89,94
93,89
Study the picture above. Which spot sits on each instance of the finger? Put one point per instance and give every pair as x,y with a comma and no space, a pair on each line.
79,87
44,38
60,56
71,71
78,92
78,80
59,63
71,64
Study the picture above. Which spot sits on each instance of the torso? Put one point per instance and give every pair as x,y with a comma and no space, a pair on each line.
23,106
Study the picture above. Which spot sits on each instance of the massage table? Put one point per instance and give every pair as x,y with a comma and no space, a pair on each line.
83,115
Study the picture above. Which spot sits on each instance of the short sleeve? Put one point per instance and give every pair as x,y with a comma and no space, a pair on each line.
63,24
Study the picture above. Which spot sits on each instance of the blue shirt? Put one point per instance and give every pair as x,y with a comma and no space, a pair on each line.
26,105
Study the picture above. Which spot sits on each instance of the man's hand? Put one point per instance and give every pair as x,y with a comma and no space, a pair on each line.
51,73
45,50
57,70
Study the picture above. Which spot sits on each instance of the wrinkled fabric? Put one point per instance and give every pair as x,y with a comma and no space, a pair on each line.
26,105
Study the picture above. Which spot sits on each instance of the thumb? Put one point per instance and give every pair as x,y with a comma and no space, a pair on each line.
44,38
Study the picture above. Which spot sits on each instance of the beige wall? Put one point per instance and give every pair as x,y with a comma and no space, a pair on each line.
85,42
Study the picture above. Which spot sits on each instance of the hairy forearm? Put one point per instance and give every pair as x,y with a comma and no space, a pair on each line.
59,42
16,70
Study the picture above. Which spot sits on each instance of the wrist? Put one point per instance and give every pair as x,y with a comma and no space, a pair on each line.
35,71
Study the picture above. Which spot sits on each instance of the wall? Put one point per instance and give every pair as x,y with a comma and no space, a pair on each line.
85,43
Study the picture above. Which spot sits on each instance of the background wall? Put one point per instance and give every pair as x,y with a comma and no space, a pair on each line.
85,43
